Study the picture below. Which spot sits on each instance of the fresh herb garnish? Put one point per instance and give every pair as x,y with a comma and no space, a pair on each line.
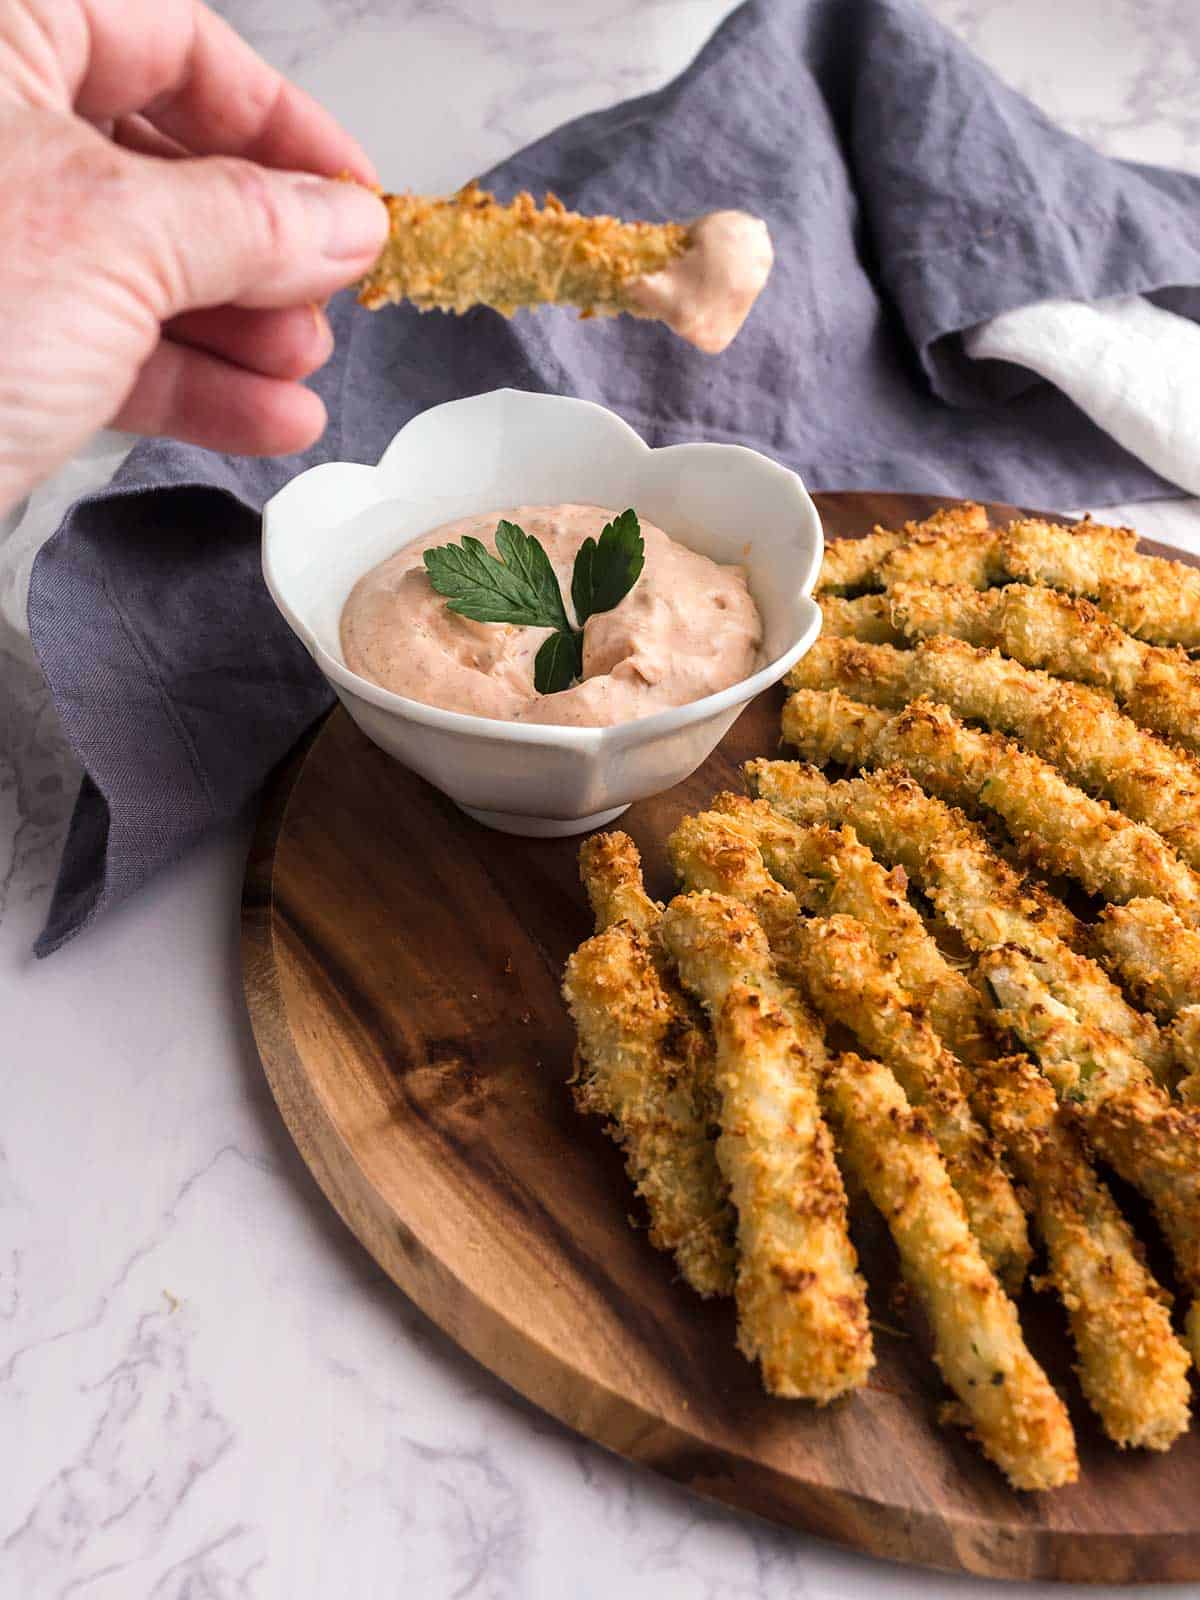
520,588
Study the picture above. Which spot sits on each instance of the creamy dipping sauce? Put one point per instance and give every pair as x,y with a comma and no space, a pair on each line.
687,628
706,293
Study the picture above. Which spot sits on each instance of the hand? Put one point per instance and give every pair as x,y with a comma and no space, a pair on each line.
170,222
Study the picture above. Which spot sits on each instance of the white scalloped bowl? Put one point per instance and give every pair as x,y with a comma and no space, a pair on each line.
331,524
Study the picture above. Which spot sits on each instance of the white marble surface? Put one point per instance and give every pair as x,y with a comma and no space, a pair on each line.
207,1391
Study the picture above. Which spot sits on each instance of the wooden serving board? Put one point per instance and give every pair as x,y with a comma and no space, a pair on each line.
402,969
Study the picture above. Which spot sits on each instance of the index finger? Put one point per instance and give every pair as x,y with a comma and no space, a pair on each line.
198,82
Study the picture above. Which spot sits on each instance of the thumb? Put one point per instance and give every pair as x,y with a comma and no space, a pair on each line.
225,231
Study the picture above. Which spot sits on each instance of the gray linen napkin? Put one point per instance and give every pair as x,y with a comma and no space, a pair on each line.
910,196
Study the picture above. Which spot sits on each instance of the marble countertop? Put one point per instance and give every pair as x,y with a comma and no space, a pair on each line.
207,1390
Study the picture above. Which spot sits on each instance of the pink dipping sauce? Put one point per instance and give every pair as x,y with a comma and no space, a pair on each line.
687,628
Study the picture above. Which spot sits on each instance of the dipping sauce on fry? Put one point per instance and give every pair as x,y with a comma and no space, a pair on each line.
706,293
687,628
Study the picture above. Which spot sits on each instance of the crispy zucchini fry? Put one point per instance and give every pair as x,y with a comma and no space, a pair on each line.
469,249
646,1065
1132,1368
1054,825
978,893
836,964
1153,952
1153,1144
1183,1036
849,982
1019,1420
831,872
1078,730
868,618
1039,627
852,564
963,554
610,870
1151,598
802,1311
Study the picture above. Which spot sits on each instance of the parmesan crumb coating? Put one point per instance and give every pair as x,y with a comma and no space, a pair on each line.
961,554
1078,730
846,979
1039,627
831,872
1129,1121
802,1310
1154,599
1153,952
1132,1368
1015,1413
851,564
1055,826
869,619
636,1069
839,968
469,249
1183,1036
971,887
646,1064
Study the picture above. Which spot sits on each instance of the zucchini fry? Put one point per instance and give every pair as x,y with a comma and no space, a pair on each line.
1078,730
802,1311
1153,1144
1054,825
1014,1412
835,963
1151,598
1039,627
851,564
709,855
1132,1368
830,872
1153,952
978,893
869,619
646,1065
1183,1036
469,249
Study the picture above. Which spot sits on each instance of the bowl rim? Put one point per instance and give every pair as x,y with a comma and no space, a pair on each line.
588,739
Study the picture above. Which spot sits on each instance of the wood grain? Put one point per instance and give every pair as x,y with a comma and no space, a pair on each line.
402,969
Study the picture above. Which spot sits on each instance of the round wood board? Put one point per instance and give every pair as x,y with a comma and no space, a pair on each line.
402,969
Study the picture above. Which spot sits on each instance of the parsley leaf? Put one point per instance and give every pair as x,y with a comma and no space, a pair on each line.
558,663
519,586
607,570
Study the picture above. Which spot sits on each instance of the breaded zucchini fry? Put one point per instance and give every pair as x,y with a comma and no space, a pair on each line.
1147,596
636,1071
610,870
646,1064
1055,826
835,963
802,1311
1078,730
701,278
851,564
967,555
977,892
1153,952
869,618
1039,627
831,872
1132,1368
1015,1414
1183,1036
848,981
1153,1144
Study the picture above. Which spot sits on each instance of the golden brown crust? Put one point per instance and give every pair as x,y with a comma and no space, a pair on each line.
1132,1368
851,564
610,870
1078,730
1015,1414
470,249
1153,952
801,1301
1057,827
868,618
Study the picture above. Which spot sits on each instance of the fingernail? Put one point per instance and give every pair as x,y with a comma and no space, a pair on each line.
347,220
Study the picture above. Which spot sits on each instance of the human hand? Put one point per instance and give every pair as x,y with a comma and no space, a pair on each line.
166,239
